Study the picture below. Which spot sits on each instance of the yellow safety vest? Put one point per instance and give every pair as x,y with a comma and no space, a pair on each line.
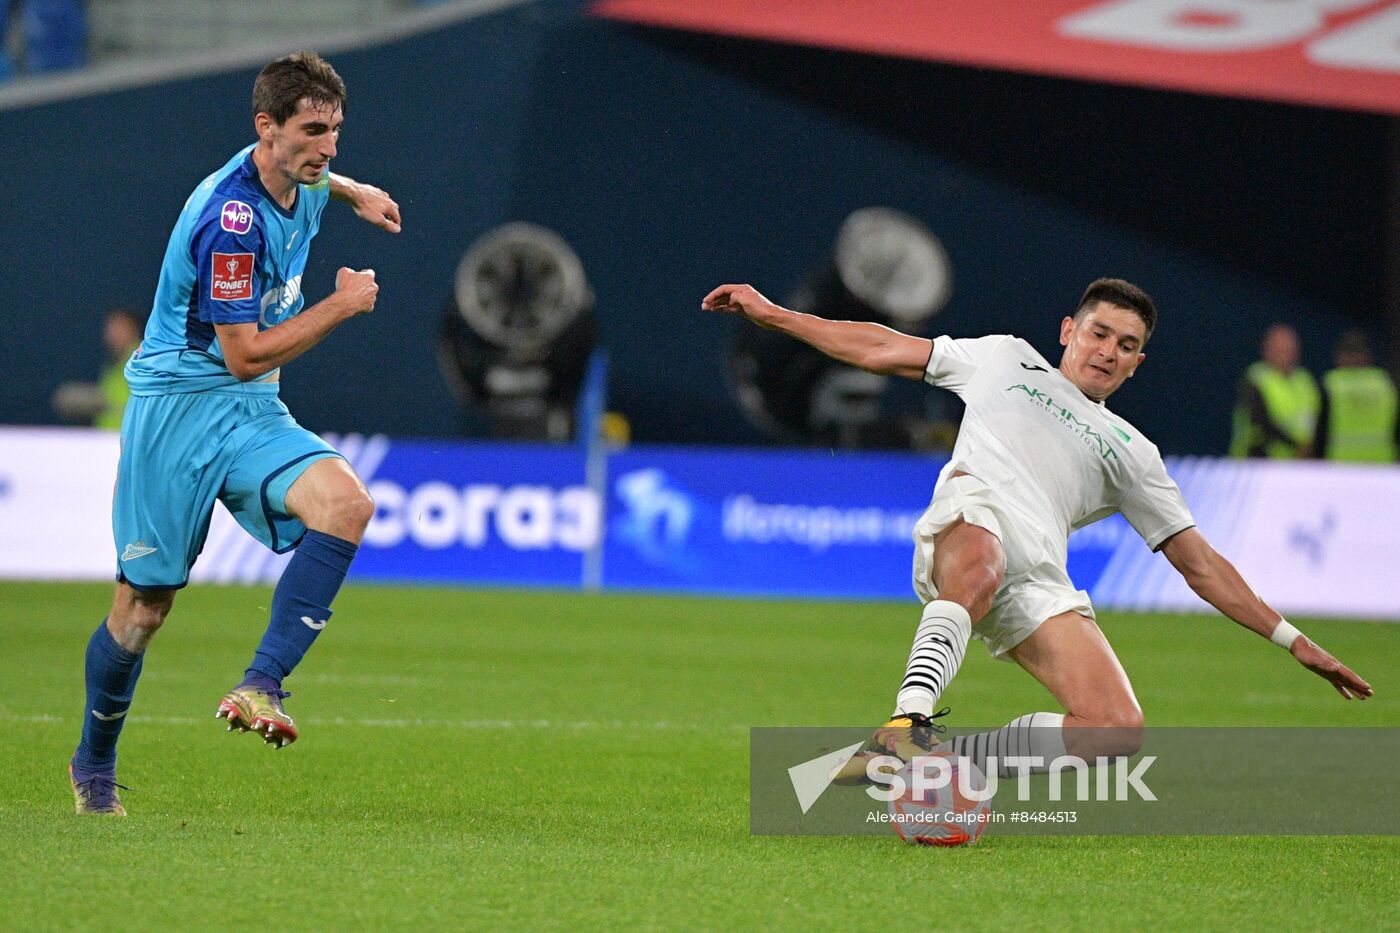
1292,402
1361,410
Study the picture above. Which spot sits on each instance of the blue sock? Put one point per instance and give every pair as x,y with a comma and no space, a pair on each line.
301,606
111,681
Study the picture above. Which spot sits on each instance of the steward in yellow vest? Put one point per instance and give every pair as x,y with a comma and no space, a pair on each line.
1278,402
103,403
1358,421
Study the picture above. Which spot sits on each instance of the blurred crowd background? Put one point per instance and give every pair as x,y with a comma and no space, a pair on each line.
573,183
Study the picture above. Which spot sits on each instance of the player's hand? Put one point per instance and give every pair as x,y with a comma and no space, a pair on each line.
743,300
375,206
1320,662
358,290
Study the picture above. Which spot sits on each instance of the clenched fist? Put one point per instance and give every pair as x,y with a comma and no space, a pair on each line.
358,290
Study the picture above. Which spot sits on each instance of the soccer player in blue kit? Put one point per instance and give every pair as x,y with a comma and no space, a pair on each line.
204,421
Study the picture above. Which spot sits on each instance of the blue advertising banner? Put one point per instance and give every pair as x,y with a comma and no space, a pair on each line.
771,522
1312,538
488,513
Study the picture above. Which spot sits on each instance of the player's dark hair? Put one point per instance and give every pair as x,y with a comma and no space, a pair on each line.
1121,294
285,83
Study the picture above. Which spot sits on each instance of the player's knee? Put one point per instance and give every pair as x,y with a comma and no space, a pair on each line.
343,510
356,508
1120,731
142,612
973,589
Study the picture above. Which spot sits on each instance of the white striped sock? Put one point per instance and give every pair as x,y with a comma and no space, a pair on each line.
938,650
1035,734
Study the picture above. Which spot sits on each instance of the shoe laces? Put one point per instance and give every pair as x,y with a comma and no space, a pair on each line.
100,789
920,721
277,693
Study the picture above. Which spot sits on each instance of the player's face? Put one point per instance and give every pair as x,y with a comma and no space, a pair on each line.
302,148
1103,346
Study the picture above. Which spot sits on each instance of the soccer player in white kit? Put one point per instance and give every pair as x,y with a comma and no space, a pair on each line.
1038,455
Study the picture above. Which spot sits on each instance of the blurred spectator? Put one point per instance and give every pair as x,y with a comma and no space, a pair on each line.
54,36
1358,420
103,402
1278,402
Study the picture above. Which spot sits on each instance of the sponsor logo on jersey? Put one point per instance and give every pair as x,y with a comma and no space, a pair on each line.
233,277
1034,369
236,217
276,302
1092,438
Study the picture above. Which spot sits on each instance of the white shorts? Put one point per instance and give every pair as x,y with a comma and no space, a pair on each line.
1036,586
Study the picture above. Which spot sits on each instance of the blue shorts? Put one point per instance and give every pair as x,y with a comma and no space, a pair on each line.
181,452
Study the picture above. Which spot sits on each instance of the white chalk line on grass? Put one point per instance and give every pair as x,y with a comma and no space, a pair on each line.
376,723
355,680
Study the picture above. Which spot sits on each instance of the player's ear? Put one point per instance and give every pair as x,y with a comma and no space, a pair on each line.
264,124
1066,328
1133,371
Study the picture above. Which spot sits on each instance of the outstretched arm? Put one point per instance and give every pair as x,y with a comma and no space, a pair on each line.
1216,580
371,204
871,347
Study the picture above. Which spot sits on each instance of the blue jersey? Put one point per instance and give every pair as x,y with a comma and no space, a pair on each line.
236,256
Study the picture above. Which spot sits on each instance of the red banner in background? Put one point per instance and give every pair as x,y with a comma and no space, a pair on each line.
1330,53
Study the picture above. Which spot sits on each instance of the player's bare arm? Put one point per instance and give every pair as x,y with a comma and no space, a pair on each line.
1216,580
871,347
371,204
250,353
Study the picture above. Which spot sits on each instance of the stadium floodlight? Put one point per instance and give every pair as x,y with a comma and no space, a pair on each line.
886,267
515,337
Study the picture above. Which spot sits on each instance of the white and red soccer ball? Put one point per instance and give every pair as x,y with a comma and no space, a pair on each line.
938,803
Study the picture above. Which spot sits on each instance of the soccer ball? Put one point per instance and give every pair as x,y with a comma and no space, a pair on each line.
942,814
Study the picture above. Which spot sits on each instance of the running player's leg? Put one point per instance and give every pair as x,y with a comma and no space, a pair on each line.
112,666
1071,657
160,517
329,499
292,490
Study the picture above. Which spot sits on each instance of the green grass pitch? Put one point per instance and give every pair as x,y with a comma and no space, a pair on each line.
503,759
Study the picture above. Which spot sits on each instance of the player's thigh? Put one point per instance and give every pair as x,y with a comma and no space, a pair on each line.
168,478
1069,654
274,452
967,557
327,487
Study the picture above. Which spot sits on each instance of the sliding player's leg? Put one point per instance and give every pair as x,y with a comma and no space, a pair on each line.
963,572
1071,657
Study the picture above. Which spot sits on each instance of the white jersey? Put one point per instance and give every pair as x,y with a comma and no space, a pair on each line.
1042,445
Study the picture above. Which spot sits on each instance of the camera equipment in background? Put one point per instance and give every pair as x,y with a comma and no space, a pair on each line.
515,337
886,267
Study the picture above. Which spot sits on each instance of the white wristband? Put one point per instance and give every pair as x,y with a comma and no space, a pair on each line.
1285,633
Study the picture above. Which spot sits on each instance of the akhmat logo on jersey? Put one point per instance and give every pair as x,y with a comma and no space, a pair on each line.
233,277
236,217
1092,438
